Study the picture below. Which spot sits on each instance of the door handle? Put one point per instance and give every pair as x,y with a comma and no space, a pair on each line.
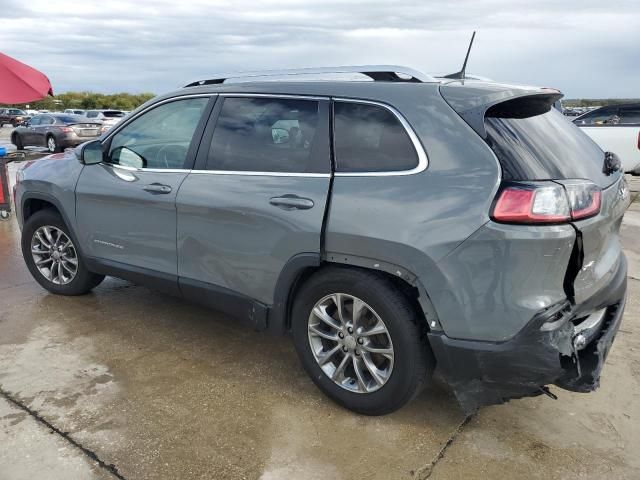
157,188
291,202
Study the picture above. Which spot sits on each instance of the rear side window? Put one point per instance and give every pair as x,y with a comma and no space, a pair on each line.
264,135
113,114
92,114
370,138
601,116
630,115
542,146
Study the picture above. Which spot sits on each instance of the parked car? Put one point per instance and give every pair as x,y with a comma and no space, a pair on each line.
74,111
108,118
14,116
390,225
616,128
56,131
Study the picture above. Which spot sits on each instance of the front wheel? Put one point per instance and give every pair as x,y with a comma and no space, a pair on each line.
360,340
52,144
52,257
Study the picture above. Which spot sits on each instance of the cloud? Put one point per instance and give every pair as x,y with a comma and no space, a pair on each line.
587,48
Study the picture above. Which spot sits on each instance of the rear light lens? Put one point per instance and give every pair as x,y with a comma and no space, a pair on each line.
546,202
584,198
66,129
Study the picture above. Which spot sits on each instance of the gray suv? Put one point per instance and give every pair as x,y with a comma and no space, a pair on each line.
391,225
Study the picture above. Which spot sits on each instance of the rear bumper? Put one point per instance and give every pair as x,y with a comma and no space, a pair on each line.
485,373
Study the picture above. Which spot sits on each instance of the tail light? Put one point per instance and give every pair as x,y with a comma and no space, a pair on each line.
638,140
66,129
546,202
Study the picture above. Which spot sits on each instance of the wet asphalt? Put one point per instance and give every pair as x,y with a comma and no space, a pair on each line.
128,383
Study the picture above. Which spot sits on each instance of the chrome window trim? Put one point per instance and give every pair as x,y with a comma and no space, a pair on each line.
260,174
423,160
422,155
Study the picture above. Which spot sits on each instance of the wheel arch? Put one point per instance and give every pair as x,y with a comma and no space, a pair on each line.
302,266
33,202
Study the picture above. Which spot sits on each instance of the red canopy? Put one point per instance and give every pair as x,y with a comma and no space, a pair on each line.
19,83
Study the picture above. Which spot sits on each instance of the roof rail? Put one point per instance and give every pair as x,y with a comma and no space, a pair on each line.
379,73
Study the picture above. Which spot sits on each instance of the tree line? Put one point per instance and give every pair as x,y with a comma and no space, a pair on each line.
596,102
89,101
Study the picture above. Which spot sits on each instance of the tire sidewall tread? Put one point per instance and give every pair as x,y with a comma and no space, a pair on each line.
413,361
84,280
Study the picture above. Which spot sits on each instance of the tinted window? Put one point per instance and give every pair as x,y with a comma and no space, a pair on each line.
15,111
542,147
264,135
92,114
113,114
369,138
35,121
601,116
159,138
630,115
46,120
68,119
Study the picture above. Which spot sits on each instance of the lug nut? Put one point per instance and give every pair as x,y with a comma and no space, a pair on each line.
344,349
341,335
357,353
360,341
350,330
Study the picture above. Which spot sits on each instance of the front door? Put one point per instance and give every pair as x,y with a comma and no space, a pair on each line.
257,197
125,206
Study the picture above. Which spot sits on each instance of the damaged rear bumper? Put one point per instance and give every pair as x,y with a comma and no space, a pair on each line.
565,345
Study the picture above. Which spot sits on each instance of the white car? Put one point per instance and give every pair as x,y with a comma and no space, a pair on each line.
74,111
616,128
109,118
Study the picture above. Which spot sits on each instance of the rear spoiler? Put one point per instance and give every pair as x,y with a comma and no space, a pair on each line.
475,100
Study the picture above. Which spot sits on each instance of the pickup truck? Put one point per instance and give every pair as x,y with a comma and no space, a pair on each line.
616,128
14,116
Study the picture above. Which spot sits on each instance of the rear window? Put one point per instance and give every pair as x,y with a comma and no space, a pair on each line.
369,138
69,118
113,114
543,146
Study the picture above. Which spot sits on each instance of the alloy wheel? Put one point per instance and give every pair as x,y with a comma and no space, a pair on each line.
54,255
51,144
350,343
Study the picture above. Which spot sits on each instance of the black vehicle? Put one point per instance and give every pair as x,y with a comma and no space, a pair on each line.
55,131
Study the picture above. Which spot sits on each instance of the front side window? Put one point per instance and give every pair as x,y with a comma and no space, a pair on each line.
35,121
370,138
159,138
264,135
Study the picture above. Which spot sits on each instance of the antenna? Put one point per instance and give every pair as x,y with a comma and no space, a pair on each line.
460,75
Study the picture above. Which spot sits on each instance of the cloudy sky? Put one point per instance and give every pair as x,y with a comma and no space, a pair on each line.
587,48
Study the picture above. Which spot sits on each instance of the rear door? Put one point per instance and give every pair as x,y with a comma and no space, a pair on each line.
39,132
125,206
258,196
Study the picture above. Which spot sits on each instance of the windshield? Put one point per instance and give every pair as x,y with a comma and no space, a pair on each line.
545,146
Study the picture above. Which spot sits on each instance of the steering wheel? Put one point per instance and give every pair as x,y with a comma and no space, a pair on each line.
168,152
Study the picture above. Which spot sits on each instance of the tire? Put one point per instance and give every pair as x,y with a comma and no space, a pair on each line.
79,283
14,124
52,145
17,141
411,364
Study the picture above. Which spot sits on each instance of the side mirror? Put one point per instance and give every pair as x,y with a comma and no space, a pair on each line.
91,153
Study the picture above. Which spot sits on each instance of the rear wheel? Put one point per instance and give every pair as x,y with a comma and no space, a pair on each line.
52,258
17,141
359,338
52,144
